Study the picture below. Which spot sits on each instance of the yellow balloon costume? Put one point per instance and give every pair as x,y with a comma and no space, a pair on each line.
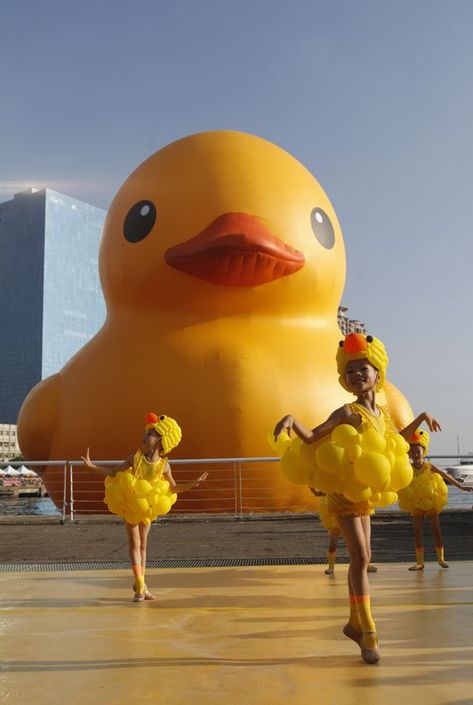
140,494
427,493
358,468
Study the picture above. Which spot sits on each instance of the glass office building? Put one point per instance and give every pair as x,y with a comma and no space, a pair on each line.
51,299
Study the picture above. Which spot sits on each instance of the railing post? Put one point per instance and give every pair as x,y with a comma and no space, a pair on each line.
71,486
64,495
235,487
240,489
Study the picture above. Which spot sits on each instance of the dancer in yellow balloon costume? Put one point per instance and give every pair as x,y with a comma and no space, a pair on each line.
143,488
426,496
360,461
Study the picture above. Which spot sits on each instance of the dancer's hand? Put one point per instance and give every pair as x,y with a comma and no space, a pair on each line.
317,493
87,461
285,424
432,423
201,479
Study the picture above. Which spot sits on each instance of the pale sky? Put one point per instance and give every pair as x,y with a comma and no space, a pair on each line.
374,97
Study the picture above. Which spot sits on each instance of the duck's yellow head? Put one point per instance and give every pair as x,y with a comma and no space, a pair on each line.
224,220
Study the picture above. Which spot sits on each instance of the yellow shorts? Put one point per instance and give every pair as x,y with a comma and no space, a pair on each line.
342,507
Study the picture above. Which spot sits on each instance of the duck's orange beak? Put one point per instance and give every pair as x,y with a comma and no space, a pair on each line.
236,249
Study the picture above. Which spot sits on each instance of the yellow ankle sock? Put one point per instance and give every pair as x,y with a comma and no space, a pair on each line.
354,619
440,555
364,610
139,578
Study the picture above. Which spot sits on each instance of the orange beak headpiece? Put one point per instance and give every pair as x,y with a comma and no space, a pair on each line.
420,438
357,346
168,429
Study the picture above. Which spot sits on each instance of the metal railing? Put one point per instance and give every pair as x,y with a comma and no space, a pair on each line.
57,478
234,486
231,488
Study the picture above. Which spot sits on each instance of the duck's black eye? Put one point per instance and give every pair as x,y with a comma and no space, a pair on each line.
139,221
322,227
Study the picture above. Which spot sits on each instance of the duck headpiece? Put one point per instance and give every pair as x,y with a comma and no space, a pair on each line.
168,429
357,346
421,438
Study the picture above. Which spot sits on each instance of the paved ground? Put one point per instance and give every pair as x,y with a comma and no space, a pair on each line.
42,540
264,635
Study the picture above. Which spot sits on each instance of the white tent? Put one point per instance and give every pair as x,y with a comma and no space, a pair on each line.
11,471
26,471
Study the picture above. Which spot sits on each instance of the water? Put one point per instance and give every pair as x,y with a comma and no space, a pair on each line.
28,505
45,507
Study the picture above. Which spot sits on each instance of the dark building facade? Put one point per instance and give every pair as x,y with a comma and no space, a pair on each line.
51,300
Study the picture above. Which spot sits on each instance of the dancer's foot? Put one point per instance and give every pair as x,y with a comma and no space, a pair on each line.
329,571
369,647
442,564
417,566
139,597
372,568
148,595
352,633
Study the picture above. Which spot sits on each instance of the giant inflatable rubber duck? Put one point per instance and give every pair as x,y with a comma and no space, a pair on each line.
222,264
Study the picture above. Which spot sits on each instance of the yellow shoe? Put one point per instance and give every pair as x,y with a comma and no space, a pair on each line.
372,568
369,647
417,566
442,564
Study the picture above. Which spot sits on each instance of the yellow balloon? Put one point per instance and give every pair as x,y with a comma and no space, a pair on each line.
113,491
373,469
293,469
345,435
384,499
401,474
346,478
305,454
372,441
357,492
330,457
163,505
354,452
142,488
138,505
173,498
426,505
126,479
163,486
400,445
324,481
281,444
132,518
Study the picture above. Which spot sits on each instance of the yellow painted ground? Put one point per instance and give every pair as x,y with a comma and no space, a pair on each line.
259,635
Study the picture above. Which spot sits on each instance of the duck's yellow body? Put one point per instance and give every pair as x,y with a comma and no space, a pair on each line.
222,263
